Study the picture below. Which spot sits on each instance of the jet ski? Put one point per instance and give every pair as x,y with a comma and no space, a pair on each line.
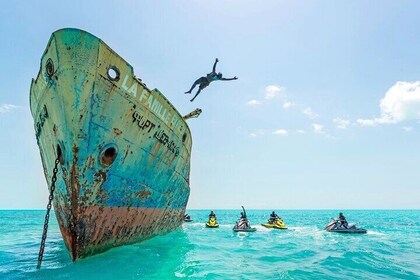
277,224
242,225
336,226
187,218
212,223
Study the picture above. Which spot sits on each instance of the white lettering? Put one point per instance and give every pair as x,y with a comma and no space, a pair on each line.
168,116
150,101
156,106
143,94
133,89
124,84
162,115
153,103
174,120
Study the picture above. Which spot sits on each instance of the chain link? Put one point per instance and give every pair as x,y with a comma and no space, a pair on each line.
47,215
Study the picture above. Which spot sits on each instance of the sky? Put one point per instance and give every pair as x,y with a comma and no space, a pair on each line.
325,113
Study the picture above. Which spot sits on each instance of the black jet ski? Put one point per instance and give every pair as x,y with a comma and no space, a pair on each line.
242,225
187,218
336,226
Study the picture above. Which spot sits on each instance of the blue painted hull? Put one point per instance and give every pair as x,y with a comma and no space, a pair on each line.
124,150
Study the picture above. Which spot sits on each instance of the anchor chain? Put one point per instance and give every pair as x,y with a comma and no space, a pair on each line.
47,215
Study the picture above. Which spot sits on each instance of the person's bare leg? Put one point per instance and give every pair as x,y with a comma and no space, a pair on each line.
198,92
197,82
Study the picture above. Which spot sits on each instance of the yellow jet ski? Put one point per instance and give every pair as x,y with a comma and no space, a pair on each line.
212,223
277,224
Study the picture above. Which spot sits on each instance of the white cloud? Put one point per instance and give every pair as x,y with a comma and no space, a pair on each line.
400,103
253,102
257,133
310,113
272,91
407,128
368,122
318,128
300,131
281,132
287,104
341,123
4,108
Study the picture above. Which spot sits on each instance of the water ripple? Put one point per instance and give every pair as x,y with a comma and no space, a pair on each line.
305,251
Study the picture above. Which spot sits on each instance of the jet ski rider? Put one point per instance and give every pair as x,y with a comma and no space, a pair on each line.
212,215
342,220
273,217
244,220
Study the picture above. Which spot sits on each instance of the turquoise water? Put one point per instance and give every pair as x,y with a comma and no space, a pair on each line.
390,250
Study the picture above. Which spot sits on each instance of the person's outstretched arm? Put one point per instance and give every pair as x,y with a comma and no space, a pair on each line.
214,65
229,79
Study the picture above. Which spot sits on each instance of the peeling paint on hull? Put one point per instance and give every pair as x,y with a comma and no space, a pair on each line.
124,172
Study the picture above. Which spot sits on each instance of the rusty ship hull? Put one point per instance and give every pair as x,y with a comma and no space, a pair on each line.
123,149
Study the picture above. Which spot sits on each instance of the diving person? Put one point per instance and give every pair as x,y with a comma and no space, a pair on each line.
342,220
203,82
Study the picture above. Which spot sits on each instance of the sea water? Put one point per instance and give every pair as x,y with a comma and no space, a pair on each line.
390,249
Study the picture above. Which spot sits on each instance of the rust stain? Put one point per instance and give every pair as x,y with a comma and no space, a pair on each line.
120,225
99,180
117,131
75,187
90,161
100,177
143,194
125,155
55,130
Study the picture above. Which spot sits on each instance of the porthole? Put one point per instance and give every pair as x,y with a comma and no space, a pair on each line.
49,67
184,137
113,73
108,156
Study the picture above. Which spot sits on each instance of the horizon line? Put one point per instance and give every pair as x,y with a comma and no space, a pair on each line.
268,209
